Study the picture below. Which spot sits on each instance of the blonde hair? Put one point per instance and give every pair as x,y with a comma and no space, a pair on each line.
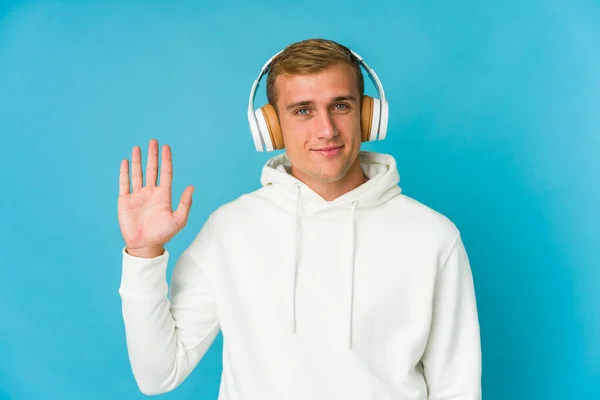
310,56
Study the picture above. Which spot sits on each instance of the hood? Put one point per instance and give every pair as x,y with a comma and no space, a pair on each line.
295,196
382,184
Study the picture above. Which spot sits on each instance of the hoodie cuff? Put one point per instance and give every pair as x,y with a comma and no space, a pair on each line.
144,277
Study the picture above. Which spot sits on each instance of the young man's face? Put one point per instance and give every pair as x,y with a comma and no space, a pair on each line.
320,120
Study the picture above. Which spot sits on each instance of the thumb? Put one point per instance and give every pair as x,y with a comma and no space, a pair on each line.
185,203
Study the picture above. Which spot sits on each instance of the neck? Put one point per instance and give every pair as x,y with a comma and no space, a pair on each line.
332,190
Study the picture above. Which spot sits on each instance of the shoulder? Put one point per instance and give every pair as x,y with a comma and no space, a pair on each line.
241,209
423,221
223,223
244,203
413,208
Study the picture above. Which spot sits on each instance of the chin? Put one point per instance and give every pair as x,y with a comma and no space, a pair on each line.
329,175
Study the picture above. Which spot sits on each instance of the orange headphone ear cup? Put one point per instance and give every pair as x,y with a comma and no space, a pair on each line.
366,117
273,126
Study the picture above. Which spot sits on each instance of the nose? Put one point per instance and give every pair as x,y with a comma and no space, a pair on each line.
325,126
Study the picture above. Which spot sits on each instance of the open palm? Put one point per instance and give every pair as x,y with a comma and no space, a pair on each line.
145,213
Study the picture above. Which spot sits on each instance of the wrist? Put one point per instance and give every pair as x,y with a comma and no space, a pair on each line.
149,252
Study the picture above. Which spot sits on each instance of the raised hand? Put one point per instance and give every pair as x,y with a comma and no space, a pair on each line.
146,217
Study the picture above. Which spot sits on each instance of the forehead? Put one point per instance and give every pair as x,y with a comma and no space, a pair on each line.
336,80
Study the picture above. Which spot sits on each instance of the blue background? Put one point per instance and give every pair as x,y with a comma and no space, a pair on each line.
495,122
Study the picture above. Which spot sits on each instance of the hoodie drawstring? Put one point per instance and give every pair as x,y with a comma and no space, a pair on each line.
295,266
351,284
295,256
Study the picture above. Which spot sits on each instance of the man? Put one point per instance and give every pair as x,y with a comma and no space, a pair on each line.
326,283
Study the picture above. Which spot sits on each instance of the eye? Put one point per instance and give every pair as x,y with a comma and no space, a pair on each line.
341,106
302,111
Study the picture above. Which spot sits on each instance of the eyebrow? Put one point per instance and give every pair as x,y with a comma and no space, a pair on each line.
308,102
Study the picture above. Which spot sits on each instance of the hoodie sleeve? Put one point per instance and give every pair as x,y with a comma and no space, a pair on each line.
452,358
166,338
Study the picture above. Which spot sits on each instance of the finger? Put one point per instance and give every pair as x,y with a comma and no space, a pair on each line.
152,164
124,178
166,169
136,169
183,209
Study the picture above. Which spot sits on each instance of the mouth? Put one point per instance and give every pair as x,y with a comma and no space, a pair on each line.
329,151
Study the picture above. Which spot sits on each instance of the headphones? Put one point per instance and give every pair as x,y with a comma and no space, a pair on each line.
264,123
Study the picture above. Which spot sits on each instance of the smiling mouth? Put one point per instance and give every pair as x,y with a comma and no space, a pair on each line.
329,151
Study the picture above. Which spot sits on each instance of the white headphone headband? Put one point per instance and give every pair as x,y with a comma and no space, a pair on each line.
259,142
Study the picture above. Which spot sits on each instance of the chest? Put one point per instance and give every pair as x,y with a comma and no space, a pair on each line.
374,269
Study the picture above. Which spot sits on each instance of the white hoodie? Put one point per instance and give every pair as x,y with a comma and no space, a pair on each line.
369,296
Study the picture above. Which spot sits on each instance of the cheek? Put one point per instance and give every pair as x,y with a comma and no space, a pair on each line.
294,133
350,126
